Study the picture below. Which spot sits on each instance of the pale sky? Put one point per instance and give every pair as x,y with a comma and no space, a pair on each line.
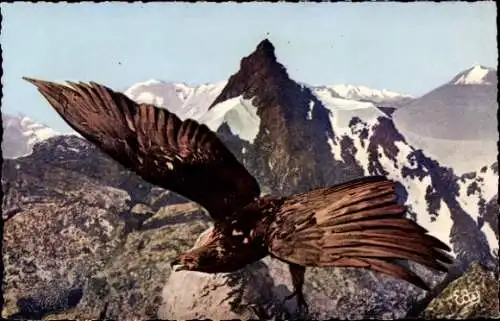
404,47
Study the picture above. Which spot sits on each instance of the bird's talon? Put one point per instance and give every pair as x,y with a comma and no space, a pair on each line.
290,296
302,306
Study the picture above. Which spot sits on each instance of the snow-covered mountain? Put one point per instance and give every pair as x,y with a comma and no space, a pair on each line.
476,75
456,117
20,135
239,113
382,97
186,101
479,190
193,101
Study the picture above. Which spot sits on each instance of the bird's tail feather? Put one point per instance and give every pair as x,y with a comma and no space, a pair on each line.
369,230
363,226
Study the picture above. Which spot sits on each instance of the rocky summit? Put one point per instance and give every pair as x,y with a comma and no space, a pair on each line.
84,238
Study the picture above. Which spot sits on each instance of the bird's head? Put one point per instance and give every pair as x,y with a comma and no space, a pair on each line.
215,253
185,262
202,259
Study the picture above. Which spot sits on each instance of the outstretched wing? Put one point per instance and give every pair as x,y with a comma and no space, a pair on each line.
355,224
182,156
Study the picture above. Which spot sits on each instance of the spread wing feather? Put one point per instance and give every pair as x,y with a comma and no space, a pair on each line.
182,156
355,224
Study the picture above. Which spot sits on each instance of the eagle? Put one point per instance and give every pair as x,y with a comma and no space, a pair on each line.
358,223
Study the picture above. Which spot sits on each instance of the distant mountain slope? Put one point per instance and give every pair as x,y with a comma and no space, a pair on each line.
456,117
462,109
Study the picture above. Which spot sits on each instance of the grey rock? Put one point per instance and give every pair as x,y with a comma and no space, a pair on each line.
63,239
131,283
473,295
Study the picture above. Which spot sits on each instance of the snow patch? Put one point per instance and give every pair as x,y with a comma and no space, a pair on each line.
489,185
335,149
343,110
311,108
441,227
484,186
490,236
357,92
239,114
45,133
362,155
179,98
150,98
404,150
474,76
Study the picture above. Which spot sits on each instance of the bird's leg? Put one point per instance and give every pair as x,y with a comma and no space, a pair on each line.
298,272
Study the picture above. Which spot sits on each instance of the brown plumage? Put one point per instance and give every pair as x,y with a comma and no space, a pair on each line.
353,224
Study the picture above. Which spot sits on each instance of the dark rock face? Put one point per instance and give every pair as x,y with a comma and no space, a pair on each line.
131,284
297,156
475,185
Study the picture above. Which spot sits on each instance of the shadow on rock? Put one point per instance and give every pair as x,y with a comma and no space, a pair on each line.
46,300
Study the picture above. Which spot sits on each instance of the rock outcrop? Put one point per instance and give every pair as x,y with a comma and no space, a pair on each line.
473,295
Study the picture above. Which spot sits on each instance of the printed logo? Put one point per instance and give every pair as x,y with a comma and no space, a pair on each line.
466,297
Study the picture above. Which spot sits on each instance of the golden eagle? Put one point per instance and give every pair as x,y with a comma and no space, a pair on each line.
353,224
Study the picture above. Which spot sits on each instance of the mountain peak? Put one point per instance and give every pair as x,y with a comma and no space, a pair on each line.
266,48
476,75
260,73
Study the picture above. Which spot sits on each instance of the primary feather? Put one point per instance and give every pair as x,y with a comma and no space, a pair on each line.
182,156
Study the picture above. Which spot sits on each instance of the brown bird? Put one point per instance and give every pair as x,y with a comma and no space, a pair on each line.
354,224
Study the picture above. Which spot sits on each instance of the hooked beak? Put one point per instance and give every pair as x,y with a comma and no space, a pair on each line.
177,266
